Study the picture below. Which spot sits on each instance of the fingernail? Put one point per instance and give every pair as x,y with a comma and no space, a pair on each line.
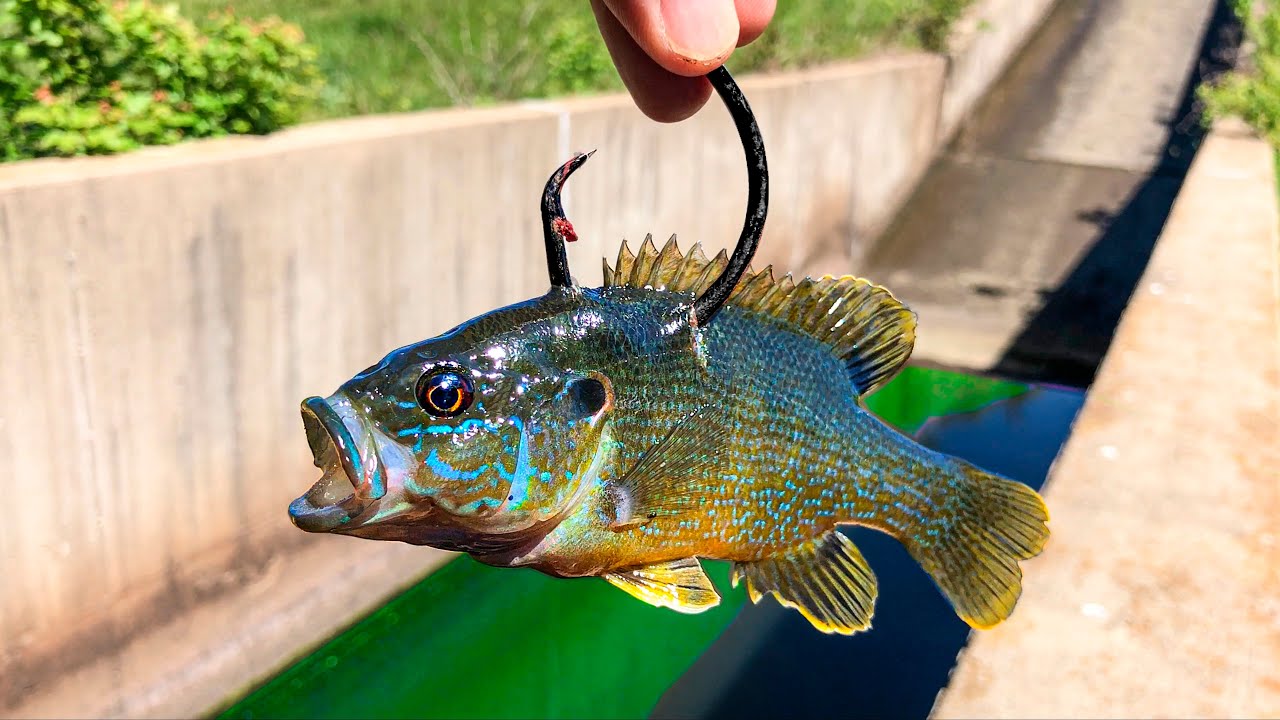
701,30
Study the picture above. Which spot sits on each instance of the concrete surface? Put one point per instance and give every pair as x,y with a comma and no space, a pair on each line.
1020,246
1157,594
164,312
984,40
1115,100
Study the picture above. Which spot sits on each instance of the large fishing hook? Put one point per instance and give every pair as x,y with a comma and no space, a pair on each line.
556,228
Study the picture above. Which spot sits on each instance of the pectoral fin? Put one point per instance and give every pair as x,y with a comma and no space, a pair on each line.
680,585
826,579
671,476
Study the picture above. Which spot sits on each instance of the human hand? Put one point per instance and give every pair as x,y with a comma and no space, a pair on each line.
663,48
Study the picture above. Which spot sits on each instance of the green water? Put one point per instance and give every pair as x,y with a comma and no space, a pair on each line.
471,641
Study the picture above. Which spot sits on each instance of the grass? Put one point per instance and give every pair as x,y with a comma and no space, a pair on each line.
1253,94
395,55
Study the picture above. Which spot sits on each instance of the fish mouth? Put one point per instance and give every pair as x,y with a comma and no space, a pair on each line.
348,484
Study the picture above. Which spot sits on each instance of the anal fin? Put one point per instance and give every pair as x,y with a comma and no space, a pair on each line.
826,579
681,585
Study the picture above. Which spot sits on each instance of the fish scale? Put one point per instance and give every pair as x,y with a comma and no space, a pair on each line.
782,485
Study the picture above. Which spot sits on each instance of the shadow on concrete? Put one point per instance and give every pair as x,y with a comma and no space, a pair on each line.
1065,340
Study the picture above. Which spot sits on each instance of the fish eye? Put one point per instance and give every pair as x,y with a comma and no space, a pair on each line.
445,392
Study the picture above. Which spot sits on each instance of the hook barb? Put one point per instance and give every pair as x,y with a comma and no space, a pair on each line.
556,228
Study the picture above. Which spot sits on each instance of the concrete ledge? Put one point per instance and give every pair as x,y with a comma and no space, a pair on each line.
1156,596
161,319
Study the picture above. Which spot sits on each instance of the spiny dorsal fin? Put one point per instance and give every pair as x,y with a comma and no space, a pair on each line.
644,263
680,585
862,322
826,579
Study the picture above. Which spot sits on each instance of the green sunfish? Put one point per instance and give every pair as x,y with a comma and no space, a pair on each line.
625,431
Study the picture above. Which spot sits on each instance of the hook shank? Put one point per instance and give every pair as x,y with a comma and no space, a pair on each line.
556,228
709,303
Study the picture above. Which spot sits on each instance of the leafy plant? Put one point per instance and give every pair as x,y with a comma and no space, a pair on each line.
576,58
83,77
1254,94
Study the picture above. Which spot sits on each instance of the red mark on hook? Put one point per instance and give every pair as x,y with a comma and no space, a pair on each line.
564,229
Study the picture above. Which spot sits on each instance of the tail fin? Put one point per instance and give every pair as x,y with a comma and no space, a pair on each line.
972,552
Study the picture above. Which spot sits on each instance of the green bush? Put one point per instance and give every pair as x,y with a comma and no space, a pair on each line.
1254,95
87,77
576,58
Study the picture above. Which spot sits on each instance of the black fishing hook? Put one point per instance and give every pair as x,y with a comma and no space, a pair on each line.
556,228
709,302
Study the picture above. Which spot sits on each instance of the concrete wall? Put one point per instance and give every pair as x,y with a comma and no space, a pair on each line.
846,143
162,313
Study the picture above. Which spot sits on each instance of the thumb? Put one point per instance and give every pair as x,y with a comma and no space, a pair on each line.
685,37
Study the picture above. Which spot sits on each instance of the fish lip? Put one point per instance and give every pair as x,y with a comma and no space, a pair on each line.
328,433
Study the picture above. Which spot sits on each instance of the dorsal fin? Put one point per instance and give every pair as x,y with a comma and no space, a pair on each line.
862,322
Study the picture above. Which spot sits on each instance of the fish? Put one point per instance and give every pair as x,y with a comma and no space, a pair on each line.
689,409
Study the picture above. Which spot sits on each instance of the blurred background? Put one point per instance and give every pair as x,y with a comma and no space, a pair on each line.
212,209
206,67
